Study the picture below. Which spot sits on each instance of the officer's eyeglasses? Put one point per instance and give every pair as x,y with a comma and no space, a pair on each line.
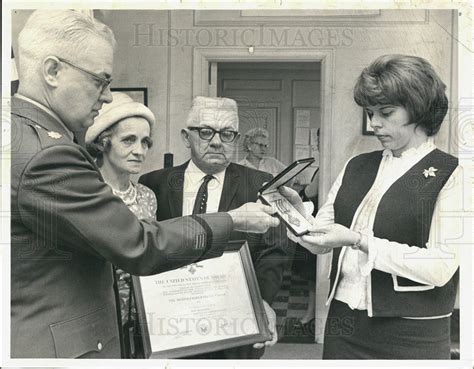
207,134
104,82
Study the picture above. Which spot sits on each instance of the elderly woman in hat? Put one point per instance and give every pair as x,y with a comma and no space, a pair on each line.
119,139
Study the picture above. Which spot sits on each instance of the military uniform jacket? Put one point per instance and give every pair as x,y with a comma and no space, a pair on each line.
67,228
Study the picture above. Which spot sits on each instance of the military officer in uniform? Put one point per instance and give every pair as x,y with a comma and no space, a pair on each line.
67,228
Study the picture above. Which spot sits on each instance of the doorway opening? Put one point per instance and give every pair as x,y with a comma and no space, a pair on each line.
272,95
284,98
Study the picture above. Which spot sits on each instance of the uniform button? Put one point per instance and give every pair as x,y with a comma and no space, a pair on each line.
99,346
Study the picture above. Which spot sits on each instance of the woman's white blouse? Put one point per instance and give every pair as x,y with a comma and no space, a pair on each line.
431,266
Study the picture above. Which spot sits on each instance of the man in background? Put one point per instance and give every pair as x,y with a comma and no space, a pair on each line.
209,183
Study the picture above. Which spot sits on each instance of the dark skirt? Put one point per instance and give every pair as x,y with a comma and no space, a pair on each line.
351,334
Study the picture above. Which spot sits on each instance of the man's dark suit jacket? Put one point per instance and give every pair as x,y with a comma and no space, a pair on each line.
241,185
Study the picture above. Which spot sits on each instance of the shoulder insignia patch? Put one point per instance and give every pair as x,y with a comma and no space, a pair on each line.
55,135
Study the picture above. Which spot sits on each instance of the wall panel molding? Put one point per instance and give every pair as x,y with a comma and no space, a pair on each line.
254,84
371,18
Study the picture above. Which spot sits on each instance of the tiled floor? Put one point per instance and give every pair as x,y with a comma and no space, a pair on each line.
290,305
292,299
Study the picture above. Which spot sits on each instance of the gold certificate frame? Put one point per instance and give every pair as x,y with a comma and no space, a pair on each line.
206,306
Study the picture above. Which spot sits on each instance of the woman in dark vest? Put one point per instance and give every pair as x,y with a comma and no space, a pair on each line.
394,274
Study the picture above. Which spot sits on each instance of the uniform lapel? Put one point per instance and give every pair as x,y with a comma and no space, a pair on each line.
229,189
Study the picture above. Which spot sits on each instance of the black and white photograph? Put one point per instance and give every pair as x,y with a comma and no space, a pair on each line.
285,184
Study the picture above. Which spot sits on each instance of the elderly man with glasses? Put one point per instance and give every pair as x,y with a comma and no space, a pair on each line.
67,227
209,183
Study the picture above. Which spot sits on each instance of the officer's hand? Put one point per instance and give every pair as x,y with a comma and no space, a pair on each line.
253,218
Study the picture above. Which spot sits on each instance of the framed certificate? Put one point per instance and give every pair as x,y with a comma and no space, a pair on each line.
206,306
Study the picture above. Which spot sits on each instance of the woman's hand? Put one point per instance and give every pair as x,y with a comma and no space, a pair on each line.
311,247
331,236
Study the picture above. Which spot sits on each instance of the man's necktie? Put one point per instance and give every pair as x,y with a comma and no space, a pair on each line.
200,204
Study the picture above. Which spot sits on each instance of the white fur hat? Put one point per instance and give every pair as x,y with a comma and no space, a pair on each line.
120,108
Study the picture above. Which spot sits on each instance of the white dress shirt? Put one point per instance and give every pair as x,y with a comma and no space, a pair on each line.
193,178
432,266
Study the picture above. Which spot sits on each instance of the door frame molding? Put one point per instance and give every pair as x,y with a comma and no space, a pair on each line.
202,57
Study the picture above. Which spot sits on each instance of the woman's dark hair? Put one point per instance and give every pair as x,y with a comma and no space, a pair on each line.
407,81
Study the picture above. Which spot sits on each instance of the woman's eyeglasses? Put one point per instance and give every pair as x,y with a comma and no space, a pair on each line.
207,134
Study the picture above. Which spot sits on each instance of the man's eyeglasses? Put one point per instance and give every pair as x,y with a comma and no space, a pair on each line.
104,82
207,134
